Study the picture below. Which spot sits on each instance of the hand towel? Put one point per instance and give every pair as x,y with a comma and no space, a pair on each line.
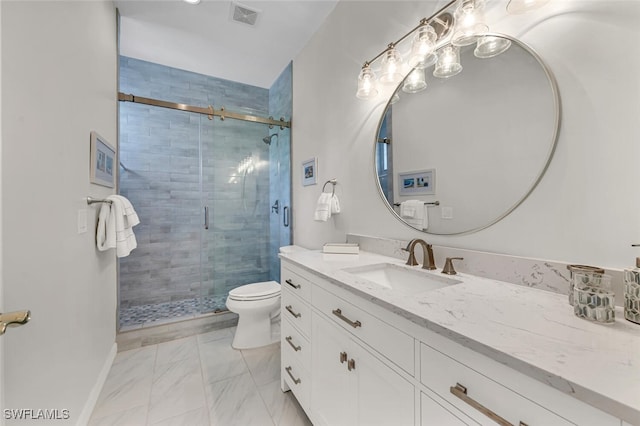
417,216
115,221
323,208
335,204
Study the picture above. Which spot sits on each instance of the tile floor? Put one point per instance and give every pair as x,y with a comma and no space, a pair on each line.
194,381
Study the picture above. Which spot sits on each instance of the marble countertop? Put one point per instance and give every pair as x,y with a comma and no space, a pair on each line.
533,331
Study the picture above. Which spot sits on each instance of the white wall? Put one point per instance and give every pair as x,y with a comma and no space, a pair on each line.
59,83
585,209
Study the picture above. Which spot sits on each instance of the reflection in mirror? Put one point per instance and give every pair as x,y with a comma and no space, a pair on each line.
469,148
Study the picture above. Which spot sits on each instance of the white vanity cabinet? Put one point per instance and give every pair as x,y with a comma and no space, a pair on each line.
352,362
294,341
351,386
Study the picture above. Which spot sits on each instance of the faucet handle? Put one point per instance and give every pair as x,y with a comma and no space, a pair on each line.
411,261
448,265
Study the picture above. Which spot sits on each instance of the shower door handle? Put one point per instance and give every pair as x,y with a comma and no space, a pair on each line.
285,216
206,217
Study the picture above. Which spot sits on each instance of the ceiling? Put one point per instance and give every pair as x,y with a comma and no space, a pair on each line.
203,38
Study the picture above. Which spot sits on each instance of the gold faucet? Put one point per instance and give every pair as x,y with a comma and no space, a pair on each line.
448,266
427,251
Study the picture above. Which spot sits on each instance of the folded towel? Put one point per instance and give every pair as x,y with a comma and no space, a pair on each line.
323,208
114,226
415,214
335,204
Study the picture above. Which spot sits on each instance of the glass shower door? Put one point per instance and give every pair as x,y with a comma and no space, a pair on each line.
235,194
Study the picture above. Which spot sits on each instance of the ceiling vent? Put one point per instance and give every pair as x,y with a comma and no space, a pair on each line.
243,14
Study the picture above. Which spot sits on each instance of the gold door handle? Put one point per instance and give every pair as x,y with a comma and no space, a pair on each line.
296,286
13,319
354,324
461,392
290,309
296,381
289,340
343,357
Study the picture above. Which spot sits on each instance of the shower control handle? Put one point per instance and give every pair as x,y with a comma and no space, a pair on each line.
285,218
206,217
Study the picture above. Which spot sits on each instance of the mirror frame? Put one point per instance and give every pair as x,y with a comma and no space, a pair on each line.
555,93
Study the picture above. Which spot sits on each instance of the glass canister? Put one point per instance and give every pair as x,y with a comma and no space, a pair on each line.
580,268
632,293
593,297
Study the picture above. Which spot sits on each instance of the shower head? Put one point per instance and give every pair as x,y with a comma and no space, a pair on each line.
267,139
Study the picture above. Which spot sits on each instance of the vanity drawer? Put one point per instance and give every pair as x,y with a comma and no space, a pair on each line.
297,312
295,283
441,374
295,344
387,340
298,379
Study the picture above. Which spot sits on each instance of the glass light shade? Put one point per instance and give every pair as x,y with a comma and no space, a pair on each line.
490,46
391,67
415,81
468,23
422,48
366,84
522,6
448,63
395,98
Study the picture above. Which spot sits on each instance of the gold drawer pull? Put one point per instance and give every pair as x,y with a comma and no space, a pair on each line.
461,392
354,324
295,348
351,364
296,286
296,381
289,308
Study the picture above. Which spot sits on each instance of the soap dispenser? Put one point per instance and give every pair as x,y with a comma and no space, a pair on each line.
632,292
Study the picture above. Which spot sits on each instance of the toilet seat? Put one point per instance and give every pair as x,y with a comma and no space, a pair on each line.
256,291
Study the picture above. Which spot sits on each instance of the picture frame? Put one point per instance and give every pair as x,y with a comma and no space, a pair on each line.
310,172
103,161
421,182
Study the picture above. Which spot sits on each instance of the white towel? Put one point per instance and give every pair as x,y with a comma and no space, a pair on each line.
114,226
415,214
335,204
323,208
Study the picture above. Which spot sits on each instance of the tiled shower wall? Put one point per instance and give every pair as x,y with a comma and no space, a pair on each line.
160,148
280,105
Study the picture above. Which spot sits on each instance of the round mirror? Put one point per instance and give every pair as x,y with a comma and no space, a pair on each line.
462,153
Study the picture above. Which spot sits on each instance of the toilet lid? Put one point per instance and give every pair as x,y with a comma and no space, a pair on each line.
256,291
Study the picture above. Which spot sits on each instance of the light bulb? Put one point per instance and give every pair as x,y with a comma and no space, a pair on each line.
422,48
448,63
366,84
391,67
415,82
469,23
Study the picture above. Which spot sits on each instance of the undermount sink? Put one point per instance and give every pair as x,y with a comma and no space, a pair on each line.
401,278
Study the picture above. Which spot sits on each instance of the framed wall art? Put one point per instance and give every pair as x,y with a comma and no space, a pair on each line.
421,182
310,171
103,161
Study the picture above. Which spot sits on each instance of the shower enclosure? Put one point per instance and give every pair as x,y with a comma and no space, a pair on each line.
204,189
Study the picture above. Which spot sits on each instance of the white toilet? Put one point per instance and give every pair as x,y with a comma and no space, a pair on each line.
256,305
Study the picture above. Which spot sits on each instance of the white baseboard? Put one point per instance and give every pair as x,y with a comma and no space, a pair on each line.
97,388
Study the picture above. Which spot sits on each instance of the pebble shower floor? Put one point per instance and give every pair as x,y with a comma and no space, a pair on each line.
143,314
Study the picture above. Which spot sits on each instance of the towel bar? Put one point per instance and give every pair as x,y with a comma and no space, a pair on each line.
95,201
426,203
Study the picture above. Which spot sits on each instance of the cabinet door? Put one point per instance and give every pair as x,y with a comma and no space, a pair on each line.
384,397
332,387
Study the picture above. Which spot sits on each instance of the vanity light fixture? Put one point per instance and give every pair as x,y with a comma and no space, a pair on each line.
366,83
469,23
423,47
415,81
516,7
448,63
391,66
490,46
